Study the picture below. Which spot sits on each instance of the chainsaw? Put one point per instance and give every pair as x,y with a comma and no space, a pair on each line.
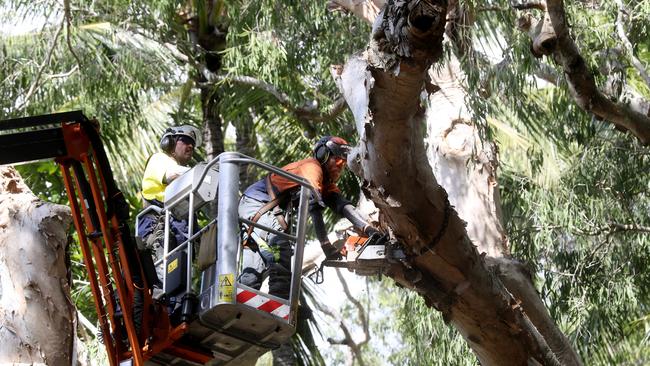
366,256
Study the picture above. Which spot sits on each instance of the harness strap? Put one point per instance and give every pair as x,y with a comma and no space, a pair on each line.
277,211
273,204
264,209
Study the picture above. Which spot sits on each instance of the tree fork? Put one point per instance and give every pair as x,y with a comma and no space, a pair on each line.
383,88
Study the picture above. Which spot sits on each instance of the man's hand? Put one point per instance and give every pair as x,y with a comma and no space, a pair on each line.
330,251
370,230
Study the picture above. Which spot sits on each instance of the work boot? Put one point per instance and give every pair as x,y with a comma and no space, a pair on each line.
251,278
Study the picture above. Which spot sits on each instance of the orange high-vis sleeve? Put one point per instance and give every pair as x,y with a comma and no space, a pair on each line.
309,169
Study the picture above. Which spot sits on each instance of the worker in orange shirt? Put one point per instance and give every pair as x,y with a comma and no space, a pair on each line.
267,200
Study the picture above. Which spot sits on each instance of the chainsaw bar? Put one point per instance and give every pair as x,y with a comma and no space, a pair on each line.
371,258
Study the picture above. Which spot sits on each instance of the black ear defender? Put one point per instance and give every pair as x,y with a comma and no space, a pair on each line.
321,151
167,141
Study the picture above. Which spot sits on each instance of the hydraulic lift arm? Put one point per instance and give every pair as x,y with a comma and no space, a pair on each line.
224,322
101,217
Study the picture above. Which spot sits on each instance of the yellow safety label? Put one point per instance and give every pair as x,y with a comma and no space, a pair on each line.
171,266
226,287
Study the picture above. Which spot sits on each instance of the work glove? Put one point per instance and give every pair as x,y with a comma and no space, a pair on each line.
370,230
330,251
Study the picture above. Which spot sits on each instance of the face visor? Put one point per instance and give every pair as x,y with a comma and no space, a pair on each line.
338,147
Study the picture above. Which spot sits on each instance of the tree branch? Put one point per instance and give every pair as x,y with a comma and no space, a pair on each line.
360,310
364,9
627,96
68,21
347,339
306,114
582,84
526,5
614,227
64,74
629,227
628,45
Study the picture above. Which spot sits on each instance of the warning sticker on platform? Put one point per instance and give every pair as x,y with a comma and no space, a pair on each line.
172,266
226,287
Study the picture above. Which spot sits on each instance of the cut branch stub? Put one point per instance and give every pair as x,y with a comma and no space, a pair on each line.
408,32
545,40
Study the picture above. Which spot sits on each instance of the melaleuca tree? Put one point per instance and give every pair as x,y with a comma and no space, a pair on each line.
579,81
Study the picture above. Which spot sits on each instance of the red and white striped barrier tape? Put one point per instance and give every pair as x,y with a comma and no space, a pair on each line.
265,304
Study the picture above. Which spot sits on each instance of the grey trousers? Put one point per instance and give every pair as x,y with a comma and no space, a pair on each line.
274,256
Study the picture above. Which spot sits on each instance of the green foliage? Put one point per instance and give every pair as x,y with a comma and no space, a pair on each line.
45,181
427,339
424,338
568,181
291,49
591,271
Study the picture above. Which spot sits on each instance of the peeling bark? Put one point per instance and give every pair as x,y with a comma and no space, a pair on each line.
36,312
516,277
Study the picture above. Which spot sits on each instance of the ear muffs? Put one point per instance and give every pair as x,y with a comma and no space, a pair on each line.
167,142
321,152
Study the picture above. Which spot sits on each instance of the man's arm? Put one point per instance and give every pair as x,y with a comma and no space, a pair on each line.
316,212
173,172
350,213
344,207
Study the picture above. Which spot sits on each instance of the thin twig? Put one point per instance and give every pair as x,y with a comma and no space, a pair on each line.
628,45
490,8
347,339
629,227
614,227
68,22
65,74
37,79
361,311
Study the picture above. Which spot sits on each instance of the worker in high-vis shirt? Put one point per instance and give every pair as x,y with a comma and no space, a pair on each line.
177,145
268,202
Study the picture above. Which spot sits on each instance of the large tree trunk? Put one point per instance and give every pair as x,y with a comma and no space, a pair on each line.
464,164
383,88
36,312
466,168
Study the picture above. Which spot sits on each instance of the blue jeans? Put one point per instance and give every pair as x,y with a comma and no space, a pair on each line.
151,229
